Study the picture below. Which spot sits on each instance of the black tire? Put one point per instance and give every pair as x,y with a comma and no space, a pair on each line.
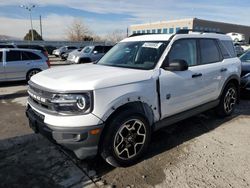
117,136
228,101
32,73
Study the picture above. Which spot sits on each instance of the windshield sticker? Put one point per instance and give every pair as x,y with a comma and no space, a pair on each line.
152,45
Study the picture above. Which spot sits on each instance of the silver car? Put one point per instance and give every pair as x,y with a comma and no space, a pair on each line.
88,54
21,64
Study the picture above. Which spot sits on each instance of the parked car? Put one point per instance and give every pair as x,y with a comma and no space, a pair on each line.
64,49
142,84
34,47
50,49
245,74
7,45
237,37
21,64
238,49
88,54
65,55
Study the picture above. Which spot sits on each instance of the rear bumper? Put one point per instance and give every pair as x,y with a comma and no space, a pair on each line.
79,139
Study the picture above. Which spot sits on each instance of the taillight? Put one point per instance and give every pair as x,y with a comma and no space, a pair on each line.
48,63
46,53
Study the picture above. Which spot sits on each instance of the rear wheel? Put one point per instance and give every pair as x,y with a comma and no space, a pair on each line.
126,139
228,100
32,73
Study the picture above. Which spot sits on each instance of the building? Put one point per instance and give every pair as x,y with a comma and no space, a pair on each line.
192,23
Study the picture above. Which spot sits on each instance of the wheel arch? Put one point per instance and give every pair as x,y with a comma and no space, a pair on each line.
234,79
32,70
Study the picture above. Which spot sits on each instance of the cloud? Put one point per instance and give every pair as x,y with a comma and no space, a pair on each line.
139,11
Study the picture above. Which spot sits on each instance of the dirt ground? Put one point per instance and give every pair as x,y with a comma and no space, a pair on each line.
202,151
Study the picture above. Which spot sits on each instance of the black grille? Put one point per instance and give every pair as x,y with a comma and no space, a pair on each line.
40,97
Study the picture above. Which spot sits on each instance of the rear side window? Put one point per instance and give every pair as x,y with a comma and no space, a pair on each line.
224,51
107,48
13,56
209,51
228,44
99,49
72,47
6,46
184,50
1,56
30,56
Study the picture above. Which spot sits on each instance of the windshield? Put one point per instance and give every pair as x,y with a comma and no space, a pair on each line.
87,49
245,56
137,55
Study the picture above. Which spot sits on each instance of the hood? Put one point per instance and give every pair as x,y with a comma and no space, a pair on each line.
75,52
88,77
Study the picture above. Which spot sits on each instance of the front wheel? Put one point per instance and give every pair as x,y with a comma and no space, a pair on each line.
228,101
125,139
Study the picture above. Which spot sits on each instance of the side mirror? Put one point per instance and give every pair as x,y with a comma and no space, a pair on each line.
177,65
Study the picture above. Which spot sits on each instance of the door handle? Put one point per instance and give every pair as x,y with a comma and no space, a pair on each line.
196,75
223,70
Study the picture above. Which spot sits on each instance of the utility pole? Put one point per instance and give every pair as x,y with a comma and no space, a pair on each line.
41,27
29,8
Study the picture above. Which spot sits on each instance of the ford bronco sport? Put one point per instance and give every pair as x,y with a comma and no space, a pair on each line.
142,84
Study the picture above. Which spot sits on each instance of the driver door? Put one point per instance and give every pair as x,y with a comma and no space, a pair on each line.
181,90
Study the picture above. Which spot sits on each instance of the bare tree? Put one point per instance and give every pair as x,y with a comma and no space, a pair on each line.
115,36
78,31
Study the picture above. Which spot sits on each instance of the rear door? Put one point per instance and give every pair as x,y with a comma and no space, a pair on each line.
213,69
15,68
2,72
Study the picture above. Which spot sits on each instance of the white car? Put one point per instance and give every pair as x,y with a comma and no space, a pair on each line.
142,84
64,49
237,37
88,54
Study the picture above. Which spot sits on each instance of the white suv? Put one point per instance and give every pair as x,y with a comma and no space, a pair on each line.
142,84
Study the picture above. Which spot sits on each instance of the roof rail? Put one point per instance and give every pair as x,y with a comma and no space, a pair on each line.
139,34
186,31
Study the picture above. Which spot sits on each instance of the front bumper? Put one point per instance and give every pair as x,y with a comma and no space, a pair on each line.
80,140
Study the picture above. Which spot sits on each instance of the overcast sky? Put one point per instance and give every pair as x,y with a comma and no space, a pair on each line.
105,16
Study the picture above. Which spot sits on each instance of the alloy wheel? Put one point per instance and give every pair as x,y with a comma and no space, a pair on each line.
130,139
229,100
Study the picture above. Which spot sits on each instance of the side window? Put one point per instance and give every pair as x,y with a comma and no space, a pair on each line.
30,56
228,44
1,56
99,49
107,48
224,51
13,56
245,57
209,51
184,50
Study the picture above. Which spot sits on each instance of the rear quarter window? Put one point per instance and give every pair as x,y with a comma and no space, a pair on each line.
228,45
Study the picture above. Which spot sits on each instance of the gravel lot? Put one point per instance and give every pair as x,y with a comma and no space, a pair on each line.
202,151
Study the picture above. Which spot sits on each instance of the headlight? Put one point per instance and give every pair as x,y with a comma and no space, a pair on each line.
72,103
76,59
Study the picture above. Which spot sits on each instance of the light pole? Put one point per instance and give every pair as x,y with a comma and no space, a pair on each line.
29,8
